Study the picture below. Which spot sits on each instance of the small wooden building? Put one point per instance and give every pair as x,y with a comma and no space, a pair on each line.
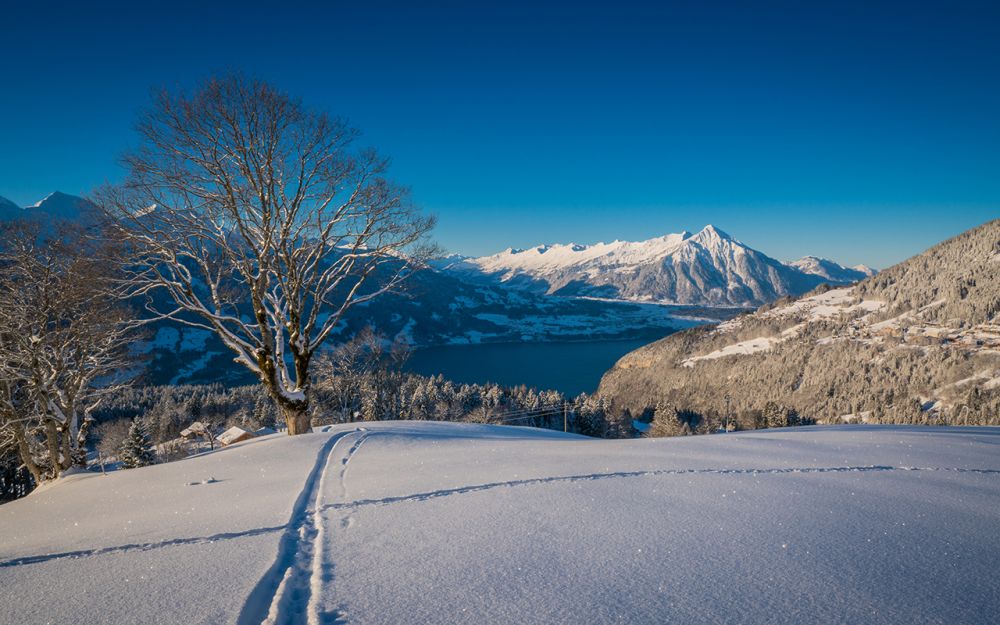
234,434
195,430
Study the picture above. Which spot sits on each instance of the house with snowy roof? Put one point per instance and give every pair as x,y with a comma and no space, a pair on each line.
234,434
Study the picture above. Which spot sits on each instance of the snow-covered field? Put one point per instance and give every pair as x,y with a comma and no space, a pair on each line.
447,523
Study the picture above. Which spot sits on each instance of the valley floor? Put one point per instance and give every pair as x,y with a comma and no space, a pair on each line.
409,522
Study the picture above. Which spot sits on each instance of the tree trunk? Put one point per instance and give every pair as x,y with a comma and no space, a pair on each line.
55,452
25,452
80,449
297,418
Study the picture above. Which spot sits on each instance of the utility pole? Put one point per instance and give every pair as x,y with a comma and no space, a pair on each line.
727,411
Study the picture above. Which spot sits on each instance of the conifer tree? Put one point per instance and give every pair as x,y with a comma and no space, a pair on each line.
667,422
135,451
264,412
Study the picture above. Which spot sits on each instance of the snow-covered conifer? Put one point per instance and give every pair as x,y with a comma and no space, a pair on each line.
135,450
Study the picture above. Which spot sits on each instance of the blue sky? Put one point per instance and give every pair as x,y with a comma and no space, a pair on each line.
863,132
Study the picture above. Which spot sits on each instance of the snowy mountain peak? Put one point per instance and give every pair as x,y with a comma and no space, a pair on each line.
59,204
54,206
707,268
55,195
830,270
710,232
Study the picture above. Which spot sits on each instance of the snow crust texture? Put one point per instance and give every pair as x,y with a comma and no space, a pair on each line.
448,523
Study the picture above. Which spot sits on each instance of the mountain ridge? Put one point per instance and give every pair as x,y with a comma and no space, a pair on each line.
709,268
831,270
54,206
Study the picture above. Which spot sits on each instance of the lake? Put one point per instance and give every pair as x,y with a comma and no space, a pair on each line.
572,368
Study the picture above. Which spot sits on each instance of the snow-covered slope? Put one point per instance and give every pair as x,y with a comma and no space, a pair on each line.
59,205
448,523
709,268
55,206
8,209
831,271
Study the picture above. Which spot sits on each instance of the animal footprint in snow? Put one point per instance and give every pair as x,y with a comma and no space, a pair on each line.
210,480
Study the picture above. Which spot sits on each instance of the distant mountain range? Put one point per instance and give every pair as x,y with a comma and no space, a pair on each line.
918,342
526,295
437,308
709,268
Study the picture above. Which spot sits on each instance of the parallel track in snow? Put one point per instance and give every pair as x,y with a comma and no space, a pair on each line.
289,592
320,570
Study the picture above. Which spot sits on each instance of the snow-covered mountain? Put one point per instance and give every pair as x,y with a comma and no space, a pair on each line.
8,209
709,268
437,308
56,206
829,270
917,342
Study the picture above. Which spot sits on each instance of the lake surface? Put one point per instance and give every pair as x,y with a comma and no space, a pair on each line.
572,368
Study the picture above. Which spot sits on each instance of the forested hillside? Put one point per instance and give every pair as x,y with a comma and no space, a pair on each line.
916,343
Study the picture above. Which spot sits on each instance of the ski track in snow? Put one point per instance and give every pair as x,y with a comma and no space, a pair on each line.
305,570
321,570
289,591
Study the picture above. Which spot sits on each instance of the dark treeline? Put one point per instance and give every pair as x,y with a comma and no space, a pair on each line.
380,395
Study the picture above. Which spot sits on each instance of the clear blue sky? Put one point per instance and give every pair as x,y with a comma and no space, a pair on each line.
861,131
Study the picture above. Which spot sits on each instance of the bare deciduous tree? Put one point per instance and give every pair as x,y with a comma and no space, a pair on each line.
364,365
257,220
63,343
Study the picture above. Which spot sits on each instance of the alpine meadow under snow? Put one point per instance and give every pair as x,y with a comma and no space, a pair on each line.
448,523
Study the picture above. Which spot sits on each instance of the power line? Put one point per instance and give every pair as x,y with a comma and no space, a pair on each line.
547,414
524,411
